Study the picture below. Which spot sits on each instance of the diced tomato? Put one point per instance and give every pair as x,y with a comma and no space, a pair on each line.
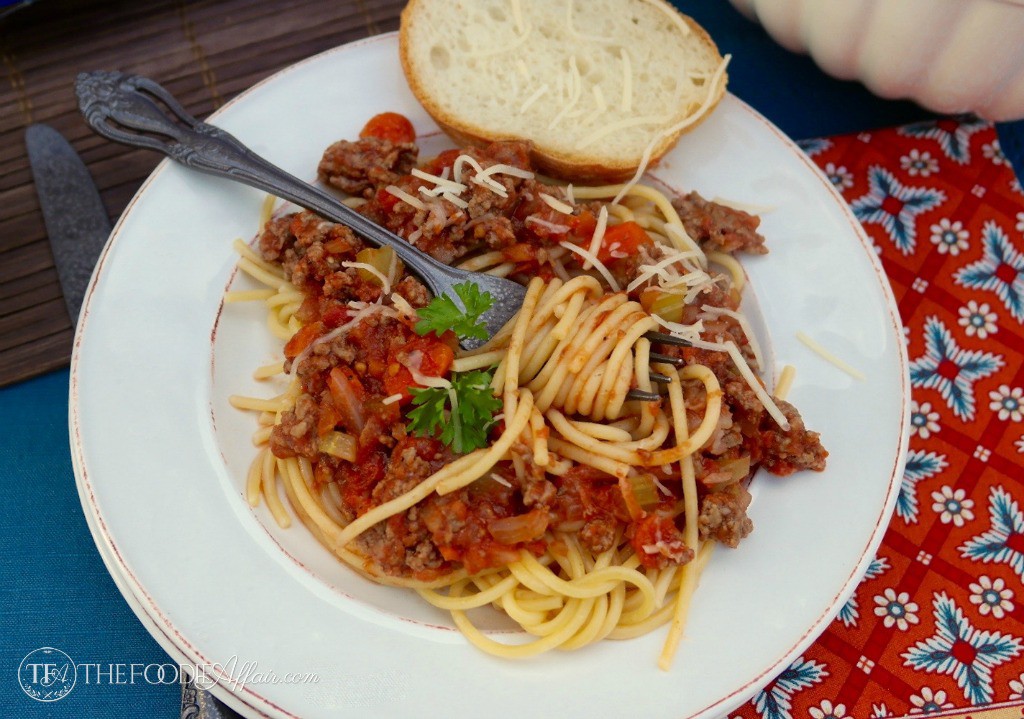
437,360
658,543
348,396
334,315
598,492
358,481
328,417
521,252
389,126
446,159
337,245
583,224
625,238
385,200
302,339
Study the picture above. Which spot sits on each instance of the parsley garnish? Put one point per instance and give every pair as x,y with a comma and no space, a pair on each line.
463,413
463,427
442,314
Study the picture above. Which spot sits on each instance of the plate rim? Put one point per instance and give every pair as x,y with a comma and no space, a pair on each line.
256,704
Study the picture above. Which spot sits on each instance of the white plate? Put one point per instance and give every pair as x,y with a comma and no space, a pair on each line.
160,458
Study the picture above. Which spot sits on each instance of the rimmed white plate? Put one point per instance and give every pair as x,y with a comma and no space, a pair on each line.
160,457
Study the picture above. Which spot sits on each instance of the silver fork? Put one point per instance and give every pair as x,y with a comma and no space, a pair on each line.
127,109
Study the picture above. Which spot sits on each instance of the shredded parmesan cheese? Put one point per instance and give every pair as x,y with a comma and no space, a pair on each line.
455,200
549,226
575,85
385,283
627,81
555,204
517,15
595,241
599,99
538,94
405,197
500,480
460,162
413,363
681,238
661,487
613,127
649,271
503,169
825,354
702,110
690,333
748,376
592,259
403,306
755,346
441,184
362,313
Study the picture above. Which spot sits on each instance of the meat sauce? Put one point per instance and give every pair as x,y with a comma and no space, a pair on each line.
358,382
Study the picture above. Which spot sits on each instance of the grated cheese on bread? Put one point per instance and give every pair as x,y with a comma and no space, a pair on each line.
633,73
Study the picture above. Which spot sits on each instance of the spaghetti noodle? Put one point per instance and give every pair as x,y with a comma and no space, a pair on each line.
585,515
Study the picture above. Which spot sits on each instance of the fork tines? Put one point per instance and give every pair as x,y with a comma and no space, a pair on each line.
667,339
642,396
665,359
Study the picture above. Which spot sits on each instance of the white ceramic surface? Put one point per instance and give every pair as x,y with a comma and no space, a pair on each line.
949,55
160,457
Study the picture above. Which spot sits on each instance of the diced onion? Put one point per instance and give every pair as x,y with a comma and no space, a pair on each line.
521,528
338,444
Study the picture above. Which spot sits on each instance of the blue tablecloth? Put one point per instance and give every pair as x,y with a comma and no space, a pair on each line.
54,589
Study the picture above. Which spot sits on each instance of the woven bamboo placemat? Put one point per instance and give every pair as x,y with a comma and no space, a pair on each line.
205,53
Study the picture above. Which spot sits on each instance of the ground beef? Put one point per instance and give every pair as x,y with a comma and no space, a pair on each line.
784,452
726,435
276,235
598,534
463,528
359,168
458,523
412,460
723,515
295,434
495,231
414,292
718,228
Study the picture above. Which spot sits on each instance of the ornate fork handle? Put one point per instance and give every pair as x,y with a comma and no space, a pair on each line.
123,108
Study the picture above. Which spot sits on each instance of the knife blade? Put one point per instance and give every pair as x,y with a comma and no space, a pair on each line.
75,219
78,226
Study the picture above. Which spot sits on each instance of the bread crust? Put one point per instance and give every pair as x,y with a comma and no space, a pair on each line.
555,162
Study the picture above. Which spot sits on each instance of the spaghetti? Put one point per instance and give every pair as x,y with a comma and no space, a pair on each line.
584,515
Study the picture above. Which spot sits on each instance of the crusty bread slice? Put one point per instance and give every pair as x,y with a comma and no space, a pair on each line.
594,84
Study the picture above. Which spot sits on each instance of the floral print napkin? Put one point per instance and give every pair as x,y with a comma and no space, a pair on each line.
937,624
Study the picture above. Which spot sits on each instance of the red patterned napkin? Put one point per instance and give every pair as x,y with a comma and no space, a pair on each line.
937,625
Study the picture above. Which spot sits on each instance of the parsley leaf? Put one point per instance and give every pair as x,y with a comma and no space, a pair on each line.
464,426
442,314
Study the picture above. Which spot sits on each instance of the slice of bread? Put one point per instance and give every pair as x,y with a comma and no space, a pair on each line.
593,84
